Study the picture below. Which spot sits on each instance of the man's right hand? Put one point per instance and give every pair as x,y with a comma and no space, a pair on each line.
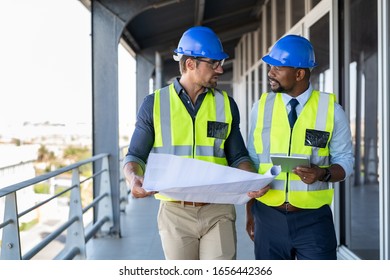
136,187
134,178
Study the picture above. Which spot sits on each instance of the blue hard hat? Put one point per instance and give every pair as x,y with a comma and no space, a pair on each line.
291,50
200,41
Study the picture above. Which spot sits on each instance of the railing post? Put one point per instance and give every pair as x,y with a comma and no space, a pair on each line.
75,236
105,208
10,247
123,192
123,189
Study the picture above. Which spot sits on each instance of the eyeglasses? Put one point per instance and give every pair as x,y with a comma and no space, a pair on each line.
214,63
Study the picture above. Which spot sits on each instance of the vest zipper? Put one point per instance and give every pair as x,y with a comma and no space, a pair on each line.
193,137
289,144
288,173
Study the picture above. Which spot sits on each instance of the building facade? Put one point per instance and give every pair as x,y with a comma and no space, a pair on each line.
351,43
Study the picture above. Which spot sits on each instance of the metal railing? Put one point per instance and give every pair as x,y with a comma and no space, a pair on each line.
77,234
124,190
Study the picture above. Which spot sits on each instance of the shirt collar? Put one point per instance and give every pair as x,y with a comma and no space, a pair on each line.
302,98
179,88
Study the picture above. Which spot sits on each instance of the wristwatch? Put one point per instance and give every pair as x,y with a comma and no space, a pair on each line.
327,175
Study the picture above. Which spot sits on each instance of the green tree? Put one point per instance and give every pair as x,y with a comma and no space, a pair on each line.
44,155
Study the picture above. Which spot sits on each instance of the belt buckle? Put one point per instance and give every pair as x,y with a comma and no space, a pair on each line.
287,206
188,203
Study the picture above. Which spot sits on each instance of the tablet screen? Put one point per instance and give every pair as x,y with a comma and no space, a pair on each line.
288,163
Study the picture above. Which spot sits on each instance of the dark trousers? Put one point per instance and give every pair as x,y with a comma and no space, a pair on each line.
303,235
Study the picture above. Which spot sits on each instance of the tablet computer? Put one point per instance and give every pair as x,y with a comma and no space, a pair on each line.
288,163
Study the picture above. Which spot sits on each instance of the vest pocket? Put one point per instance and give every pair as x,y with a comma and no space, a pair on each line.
316,138
217,129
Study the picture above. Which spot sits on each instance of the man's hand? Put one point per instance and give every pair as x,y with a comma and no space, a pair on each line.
250,224
134,178
312,174
136,187
259,193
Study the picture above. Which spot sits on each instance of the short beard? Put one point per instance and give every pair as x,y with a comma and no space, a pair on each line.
279,88
210,84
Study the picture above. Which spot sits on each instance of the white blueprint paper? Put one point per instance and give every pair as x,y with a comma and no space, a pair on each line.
200,181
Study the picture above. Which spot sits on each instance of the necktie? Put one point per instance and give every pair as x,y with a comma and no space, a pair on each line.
292,116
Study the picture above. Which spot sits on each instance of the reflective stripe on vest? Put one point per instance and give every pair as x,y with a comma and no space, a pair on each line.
272,136
178,134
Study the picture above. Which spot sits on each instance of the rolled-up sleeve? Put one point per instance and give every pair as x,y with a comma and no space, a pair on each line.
142,139
251,144
340,146
235,149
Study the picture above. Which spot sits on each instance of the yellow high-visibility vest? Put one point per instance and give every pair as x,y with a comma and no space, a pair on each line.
273,136
178,134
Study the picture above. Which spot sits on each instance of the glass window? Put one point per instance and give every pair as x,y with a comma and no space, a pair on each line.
251,93
362,234
314,3
269,25
260,80
281,14
298,10
320,38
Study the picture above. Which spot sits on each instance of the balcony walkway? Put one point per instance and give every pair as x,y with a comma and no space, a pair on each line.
141,241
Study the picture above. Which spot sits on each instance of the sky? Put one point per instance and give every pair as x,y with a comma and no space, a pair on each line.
45,64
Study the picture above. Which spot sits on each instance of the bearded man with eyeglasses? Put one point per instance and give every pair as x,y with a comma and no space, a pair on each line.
191,118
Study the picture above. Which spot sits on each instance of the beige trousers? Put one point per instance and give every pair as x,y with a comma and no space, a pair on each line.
197,233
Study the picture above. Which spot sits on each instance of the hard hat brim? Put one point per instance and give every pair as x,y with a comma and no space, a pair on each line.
271,61
217,56
274,62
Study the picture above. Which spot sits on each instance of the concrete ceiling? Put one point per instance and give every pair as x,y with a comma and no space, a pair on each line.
156,26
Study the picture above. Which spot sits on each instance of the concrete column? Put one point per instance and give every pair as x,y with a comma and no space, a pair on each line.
144,73
106,31
158,82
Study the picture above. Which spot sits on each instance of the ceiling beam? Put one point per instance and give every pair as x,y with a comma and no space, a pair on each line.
199,12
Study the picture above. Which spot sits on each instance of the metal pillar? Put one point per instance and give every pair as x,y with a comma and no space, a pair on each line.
106,31
144,73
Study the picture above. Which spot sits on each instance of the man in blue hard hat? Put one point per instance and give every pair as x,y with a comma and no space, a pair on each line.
293,220
191,118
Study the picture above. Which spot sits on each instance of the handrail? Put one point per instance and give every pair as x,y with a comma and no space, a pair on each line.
45,201
124,191
95,228
44,177
71,254
76,237
94,202
48,239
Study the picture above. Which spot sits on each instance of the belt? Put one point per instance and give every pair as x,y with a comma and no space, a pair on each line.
287,207
190,203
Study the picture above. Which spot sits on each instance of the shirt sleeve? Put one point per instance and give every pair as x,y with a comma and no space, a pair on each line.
142,139
235,149
252,126
340,146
